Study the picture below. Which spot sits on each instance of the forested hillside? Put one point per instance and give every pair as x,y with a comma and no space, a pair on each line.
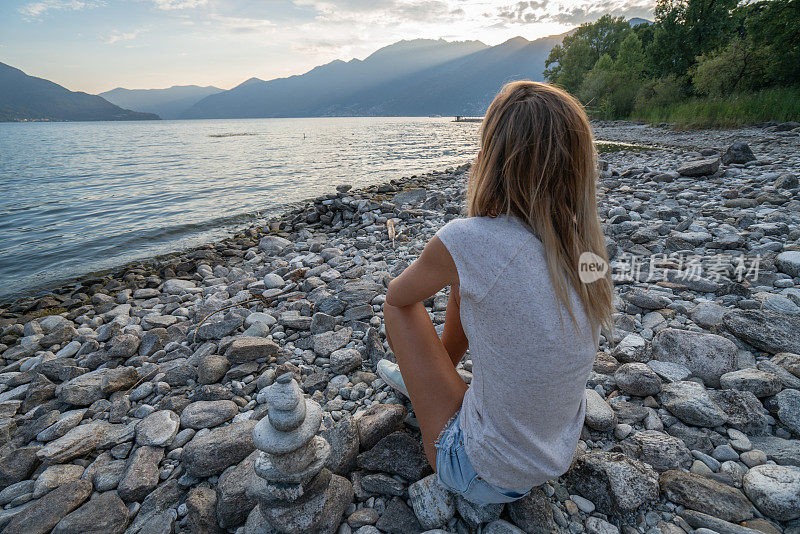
701,63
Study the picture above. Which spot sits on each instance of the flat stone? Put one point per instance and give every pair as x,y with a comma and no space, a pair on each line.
66,422
614,482
382,484
105,513
269,439
78,442
327,342
320,513
378,421
45,513
247,349
775,490
210,452
788,262
703,167
707,356
208,414
533,513
176,286
344,361
743,410
781,451
690,402
700,521
671,372
788,402
82,390
398,518
500,526
200,510
273,245
157,429
55,476
661,451
18,464
344,441
595,525
788,361
632,348
637,379
432,503
599,415
769,331
233,502
141,473
398,453
157,513
759,383
705,495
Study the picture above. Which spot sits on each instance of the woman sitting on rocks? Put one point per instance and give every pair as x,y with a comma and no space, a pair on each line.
516,301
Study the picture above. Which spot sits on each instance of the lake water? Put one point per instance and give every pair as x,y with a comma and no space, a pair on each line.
81,197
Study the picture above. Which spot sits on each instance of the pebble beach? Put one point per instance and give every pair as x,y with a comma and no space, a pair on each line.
128,399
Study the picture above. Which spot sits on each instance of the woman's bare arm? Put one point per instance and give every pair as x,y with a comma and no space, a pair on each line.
453,338
432,271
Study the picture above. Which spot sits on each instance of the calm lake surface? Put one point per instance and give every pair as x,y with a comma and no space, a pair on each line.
80,197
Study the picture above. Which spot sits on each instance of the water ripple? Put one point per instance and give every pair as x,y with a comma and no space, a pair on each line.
79,197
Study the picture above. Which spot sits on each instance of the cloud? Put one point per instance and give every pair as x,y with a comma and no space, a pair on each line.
570,13
36,10
241,24
169,5
117,36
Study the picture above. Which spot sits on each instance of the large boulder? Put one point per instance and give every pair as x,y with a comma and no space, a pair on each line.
775,490
707,356
703,167
44,514
657,449
690,402
705,495
769,331
105,513
398,453
738,152
432,503
211,451
615,483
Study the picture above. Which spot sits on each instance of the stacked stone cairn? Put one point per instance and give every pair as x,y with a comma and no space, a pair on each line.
294,491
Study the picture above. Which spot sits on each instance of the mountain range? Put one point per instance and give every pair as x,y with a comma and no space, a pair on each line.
408,78
24,97
166,103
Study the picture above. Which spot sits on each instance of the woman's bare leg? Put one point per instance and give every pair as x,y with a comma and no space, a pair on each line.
435,388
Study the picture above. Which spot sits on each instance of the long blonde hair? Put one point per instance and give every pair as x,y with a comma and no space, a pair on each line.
538,162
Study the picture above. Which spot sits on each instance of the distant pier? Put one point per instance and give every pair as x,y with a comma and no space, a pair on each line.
459,118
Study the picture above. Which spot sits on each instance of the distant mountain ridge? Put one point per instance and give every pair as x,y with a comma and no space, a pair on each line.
409,78
24,97
167,103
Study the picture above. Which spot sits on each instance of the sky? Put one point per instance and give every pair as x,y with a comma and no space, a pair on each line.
97,45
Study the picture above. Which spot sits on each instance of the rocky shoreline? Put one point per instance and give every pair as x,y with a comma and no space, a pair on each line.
126,408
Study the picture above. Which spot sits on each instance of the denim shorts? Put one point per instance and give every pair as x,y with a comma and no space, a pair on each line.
455,472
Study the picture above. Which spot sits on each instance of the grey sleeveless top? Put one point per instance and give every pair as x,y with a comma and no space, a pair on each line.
523,412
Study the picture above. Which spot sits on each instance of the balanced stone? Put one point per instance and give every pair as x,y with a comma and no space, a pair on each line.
293,489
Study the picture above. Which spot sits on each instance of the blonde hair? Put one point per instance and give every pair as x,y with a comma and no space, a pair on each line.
538,162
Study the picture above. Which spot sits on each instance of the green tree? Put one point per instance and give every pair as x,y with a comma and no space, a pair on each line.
631,58
569,62
686,29
774,26
739,66
661,92
607,91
